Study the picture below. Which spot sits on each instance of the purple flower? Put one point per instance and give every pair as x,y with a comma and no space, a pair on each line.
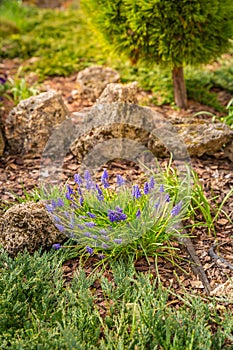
118,240
56,218
138,213
60,202
89,250
120,180
100,195
60,227
161,189
81,227
136,192
167,198
87,175
94,237
152,182
87,234
81,201
105,184
89,183
119,209
53,203
68,196
116,215
56,246
80,191
104,178
78,179
90,224
101,256
91,215
100,198
82,217
176,209
105,246
146,188
103,232
106,238
3,80
69,192
157,204
49,208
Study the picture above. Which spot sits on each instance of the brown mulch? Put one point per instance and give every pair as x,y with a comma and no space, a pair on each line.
20,173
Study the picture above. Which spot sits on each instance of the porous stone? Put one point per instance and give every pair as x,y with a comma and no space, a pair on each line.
125,93
203,137
28,226
228,151
120,121
92,81
30,124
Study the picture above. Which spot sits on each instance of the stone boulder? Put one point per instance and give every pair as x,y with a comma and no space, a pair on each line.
28,226
114,117
92,81
30,124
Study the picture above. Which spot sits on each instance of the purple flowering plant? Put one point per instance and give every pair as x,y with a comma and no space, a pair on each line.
105,217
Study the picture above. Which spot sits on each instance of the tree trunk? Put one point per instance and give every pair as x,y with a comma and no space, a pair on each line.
180,94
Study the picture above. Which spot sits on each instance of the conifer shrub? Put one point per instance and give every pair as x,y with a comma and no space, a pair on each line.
168,32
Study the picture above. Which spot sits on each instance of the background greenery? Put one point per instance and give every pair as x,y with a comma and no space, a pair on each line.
64,43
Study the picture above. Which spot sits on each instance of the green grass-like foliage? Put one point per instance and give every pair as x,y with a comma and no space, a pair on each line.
37,311
105,217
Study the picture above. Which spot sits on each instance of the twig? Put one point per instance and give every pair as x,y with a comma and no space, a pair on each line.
197,266
217,257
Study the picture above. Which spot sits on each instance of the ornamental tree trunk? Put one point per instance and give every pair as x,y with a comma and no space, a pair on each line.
180,94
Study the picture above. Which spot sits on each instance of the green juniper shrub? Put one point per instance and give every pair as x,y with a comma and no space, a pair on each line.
39,311
171,33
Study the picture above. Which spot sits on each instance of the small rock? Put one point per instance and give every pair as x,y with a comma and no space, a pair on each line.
92,81
28,226
119,93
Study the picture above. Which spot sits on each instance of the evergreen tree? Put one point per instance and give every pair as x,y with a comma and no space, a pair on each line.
172,33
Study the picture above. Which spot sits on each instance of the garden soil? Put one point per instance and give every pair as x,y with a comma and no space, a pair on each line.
20,173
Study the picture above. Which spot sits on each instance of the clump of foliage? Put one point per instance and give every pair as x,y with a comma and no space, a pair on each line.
38,310
105,217
171,33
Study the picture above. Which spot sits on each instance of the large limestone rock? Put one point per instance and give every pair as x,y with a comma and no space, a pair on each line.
92,81
29,125
2,144
28,226
115,118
